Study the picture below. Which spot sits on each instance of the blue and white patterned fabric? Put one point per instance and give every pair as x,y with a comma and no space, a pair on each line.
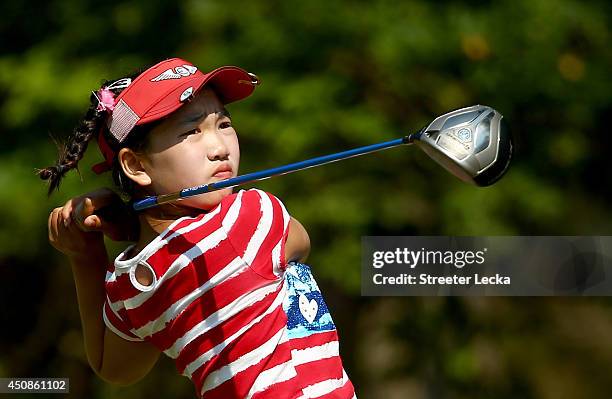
306,310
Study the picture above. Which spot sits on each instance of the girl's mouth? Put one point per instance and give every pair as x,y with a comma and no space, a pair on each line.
223,175
223,171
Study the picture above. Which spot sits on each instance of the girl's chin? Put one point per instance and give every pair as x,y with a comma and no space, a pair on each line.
208,201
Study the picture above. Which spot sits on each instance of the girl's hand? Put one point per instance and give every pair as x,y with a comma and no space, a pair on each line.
75,227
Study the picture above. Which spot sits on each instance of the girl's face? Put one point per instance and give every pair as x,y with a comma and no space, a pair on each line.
195,145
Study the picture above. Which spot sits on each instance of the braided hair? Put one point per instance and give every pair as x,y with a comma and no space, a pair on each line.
72,150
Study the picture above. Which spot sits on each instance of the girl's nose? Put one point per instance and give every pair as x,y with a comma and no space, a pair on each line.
217,148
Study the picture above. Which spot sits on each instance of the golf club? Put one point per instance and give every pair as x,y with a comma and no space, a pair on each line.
472,143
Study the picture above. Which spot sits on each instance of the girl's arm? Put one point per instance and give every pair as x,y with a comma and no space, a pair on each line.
297,246
111,357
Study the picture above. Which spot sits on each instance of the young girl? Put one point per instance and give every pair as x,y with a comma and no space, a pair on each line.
215,281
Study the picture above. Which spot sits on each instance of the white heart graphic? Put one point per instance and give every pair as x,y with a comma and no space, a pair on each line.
308,309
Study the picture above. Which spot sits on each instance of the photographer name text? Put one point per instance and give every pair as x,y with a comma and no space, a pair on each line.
428,279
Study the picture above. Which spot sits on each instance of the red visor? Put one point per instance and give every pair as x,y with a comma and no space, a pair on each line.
161,90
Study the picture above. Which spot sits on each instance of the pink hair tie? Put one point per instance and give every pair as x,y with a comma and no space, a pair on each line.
106,99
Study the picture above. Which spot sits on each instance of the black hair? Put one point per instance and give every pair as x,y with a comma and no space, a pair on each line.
73,149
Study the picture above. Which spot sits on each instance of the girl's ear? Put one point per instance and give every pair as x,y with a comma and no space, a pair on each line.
133,166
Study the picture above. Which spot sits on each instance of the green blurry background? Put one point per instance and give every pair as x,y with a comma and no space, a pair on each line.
337,75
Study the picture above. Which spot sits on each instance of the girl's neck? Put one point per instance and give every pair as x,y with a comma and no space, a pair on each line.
155,220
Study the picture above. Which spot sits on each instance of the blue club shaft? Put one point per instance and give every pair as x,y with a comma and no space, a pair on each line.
152,201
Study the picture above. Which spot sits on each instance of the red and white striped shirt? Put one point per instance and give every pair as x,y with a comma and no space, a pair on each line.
239,321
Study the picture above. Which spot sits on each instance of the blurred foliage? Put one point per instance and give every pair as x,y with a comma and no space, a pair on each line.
338,75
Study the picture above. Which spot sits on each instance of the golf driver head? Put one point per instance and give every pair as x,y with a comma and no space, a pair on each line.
472,143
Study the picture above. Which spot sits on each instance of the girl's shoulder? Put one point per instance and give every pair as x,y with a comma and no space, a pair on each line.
253,203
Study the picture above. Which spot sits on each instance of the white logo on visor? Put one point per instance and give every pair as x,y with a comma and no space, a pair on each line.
177,73
186,94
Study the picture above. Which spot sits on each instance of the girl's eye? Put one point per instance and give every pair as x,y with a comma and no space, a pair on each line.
225,125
